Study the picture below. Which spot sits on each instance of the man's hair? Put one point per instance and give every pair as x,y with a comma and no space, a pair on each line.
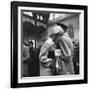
63,26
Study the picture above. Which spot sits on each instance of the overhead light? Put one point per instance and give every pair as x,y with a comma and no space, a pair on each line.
28,13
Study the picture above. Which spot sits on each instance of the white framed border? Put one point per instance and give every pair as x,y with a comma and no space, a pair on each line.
52,78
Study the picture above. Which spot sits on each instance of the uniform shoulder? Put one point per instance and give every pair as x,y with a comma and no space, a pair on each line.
49,41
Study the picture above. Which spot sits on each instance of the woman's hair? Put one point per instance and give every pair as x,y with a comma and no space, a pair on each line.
54,29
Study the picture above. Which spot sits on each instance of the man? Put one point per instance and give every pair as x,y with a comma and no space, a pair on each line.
69,42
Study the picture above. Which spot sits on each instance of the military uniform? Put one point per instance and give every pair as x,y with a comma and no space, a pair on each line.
66,46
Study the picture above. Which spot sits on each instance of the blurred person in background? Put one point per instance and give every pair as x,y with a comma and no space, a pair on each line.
32,63
25,59
76,56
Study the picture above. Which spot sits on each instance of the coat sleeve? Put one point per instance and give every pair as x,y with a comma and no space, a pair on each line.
43,56
66,46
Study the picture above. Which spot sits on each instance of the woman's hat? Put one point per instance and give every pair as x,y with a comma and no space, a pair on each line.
63,26
54,29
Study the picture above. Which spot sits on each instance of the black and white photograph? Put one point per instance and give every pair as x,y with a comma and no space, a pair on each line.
50,44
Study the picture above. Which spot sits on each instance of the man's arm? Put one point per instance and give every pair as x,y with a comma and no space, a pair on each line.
66,46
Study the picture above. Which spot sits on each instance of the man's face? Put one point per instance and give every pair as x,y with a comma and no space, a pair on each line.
43,39
55,38
30,45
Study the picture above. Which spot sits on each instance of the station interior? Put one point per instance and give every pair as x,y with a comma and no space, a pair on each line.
34,26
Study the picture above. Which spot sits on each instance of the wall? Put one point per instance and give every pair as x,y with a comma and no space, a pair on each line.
5,46
74,22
